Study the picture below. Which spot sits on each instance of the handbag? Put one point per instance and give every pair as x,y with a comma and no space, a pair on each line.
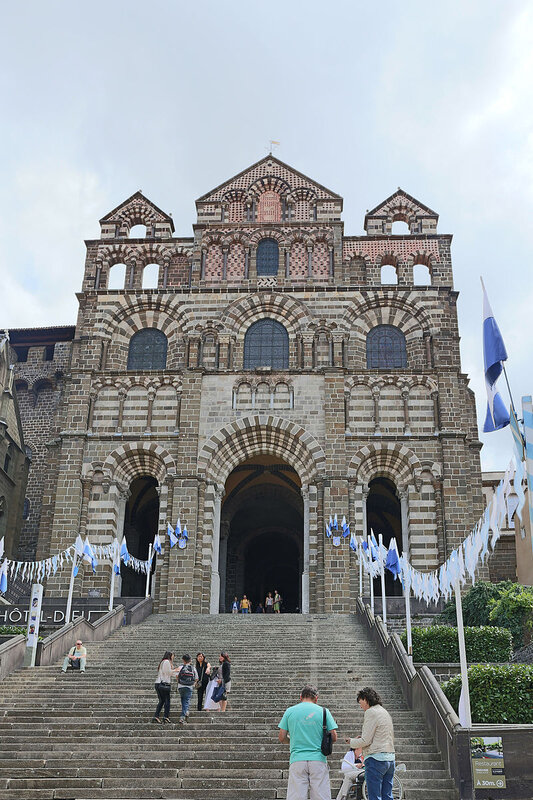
219,694
327,739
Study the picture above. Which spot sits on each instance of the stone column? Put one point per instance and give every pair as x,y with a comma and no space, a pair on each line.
178,412
121,398
90,414
287,255
331,262
305,571
436,412
347,430
307,350
103,354
215,576
203,258
86,484
225,251
320,563
406,421
123,497
337,349
151,398
309,262
375,396
403,493
222,560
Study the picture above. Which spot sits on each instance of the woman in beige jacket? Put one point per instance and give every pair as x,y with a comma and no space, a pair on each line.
377,741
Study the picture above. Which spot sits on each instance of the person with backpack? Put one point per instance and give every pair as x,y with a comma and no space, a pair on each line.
187,677
303,727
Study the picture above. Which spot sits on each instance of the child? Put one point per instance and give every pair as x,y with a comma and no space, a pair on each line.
352,766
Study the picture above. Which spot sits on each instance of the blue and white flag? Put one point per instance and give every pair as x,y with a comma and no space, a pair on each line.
392,562
171,535
3,577
335,523
353,543
374,549
89,555
1,547
345,527
124,555
178,528
185,532
157,544
494,353
78,545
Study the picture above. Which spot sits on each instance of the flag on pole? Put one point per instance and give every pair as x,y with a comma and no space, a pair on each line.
335,523
3,577
494,353
171,535
353,542
185,532
1,547
78,545
345,527
89,555
392,562
124,555
157,544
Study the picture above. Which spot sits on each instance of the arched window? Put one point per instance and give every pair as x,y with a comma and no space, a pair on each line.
266,344
400,227
117,277
148,350
137,232
151,276
421,275
385,348
267,257
389,274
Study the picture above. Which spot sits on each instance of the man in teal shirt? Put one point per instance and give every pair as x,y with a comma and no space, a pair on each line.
308,771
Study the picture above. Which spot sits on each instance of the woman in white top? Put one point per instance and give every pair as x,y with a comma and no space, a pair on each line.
165,672
209,705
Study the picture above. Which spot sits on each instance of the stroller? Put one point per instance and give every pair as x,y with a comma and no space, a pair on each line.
358,790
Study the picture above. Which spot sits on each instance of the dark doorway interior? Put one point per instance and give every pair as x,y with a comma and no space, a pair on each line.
140,526
263,518
383,515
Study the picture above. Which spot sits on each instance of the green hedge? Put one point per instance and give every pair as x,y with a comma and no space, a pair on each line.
498,694
440,644
505,604
12,630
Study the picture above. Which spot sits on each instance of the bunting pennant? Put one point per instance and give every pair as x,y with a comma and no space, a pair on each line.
462,562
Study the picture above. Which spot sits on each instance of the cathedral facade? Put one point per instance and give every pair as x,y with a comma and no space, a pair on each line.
252,380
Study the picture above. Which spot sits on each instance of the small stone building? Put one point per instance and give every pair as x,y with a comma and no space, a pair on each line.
254,379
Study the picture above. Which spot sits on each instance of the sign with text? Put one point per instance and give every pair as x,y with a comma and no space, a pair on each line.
50,614
34,618
488,768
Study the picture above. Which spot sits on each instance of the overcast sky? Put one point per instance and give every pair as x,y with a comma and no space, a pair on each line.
103,98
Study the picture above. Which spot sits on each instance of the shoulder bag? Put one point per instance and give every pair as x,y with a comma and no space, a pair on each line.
327,739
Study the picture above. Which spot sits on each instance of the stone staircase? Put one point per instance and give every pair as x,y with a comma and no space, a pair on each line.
89,736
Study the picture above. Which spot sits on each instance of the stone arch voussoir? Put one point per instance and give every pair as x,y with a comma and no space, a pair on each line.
389,460
132,460
261,435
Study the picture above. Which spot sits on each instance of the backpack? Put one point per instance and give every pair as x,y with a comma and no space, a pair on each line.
186,675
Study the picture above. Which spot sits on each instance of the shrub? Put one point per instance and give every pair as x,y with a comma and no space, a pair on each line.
498,694
476,603
513,609
12,630
440,644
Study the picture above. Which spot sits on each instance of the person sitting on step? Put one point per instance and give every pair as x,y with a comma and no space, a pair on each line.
76,657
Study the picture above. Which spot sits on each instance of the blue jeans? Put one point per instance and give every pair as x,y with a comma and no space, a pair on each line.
378,776
185,694
245,610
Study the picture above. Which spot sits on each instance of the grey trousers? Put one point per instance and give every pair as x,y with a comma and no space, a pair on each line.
309,780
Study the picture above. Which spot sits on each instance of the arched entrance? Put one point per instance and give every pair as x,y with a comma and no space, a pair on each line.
383,515
140,526
261,534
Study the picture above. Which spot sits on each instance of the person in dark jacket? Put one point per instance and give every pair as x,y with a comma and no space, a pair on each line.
225,676
203,668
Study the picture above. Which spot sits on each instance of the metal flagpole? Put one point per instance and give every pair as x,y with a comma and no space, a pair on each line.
71,588
407,595
465,690
361,571
371,579
148,570
382,568
112,581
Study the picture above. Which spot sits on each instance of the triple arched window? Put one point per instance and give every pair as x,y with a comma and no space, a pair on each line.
267,257
266,344
148,350
385,348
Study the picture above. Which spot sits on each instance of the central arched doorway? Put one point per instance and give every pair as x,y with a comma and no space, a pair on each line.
140,526
261,534
383,515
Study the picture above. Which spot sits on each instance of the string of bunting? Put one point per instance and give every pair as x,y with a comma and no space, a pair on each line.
464,561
